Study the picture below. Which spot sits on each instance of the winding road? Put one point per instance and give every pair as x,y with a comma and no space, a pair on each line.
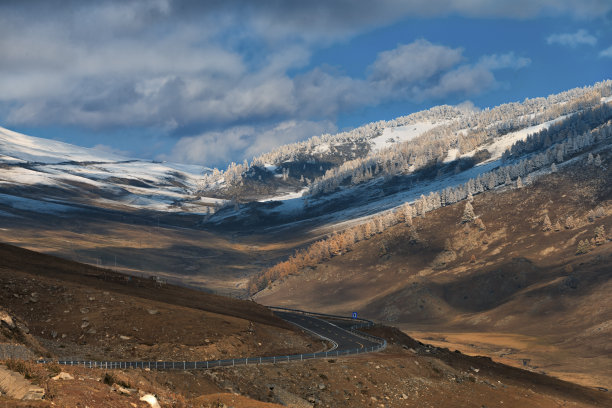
342,338
341,332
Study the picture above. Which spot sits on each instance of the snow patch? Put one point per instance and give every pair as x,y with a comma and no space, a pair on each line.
323,148
271,167
285,196
498,147
453,154
398,134
34,149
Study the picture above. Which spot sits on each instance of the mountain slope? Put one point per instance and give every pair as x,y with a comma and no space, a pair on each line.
51,172
77,311
456,148
427,159
502,284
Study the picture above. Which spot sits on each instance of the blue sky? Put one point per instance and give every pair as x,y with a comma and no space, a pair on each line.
209,82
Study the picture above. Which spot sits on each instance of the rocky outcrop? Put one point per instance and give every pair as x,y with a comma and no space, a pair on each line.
14,385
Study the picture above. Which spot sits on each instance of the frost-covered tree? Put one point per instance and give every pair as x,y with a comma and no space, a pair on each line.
546,224
597,161
600,235
480,224
468,213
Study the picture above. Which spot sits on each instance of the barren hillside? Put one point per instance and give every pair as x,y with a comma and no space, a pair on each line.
503,287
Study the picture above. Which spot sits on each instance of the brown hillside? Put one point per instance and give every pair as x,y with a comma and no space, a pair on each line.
82,312
510,290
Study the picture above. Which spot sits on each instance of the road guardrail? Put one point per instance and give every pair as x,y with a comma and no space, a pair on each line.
202,365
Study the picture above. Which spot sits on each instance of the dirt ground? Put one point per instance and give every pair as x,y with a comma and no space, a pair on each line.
81,312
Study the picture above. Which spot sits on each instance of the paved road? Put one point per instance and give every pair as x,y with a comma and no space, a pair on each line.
342,338
344,342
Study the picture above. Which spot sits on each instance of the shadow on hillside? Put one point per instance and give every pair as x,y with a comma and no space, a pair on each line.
519,279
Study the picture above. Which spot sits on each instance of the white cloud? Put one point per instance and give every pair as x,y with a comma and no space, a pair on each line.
412,62
606,53
466,79
468,106
580,37
501,61
422,70
219,147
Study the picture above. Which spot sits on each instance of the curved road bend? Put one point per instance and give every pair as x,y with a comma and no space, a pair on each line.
343,339
344,342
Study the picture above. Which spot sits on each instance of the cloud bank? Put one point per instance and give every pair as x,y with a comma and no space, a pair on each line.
232,70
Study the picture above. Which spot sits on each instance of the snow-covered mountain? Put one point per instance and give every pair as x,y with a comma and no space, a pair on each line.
440,154
434,158
50,176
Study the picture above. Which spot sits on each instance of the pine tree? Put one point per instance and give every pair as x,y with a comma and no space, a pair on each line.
600,235
468,213
546,224
557,226
478,222
519,183
569,222
590,158
583,247
413,235
597,161
553,167
560,156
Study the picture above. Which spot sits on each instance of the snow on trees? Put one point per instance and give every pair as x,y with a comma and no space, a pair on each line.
468,213
480,224
600,235
546,224
597,161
